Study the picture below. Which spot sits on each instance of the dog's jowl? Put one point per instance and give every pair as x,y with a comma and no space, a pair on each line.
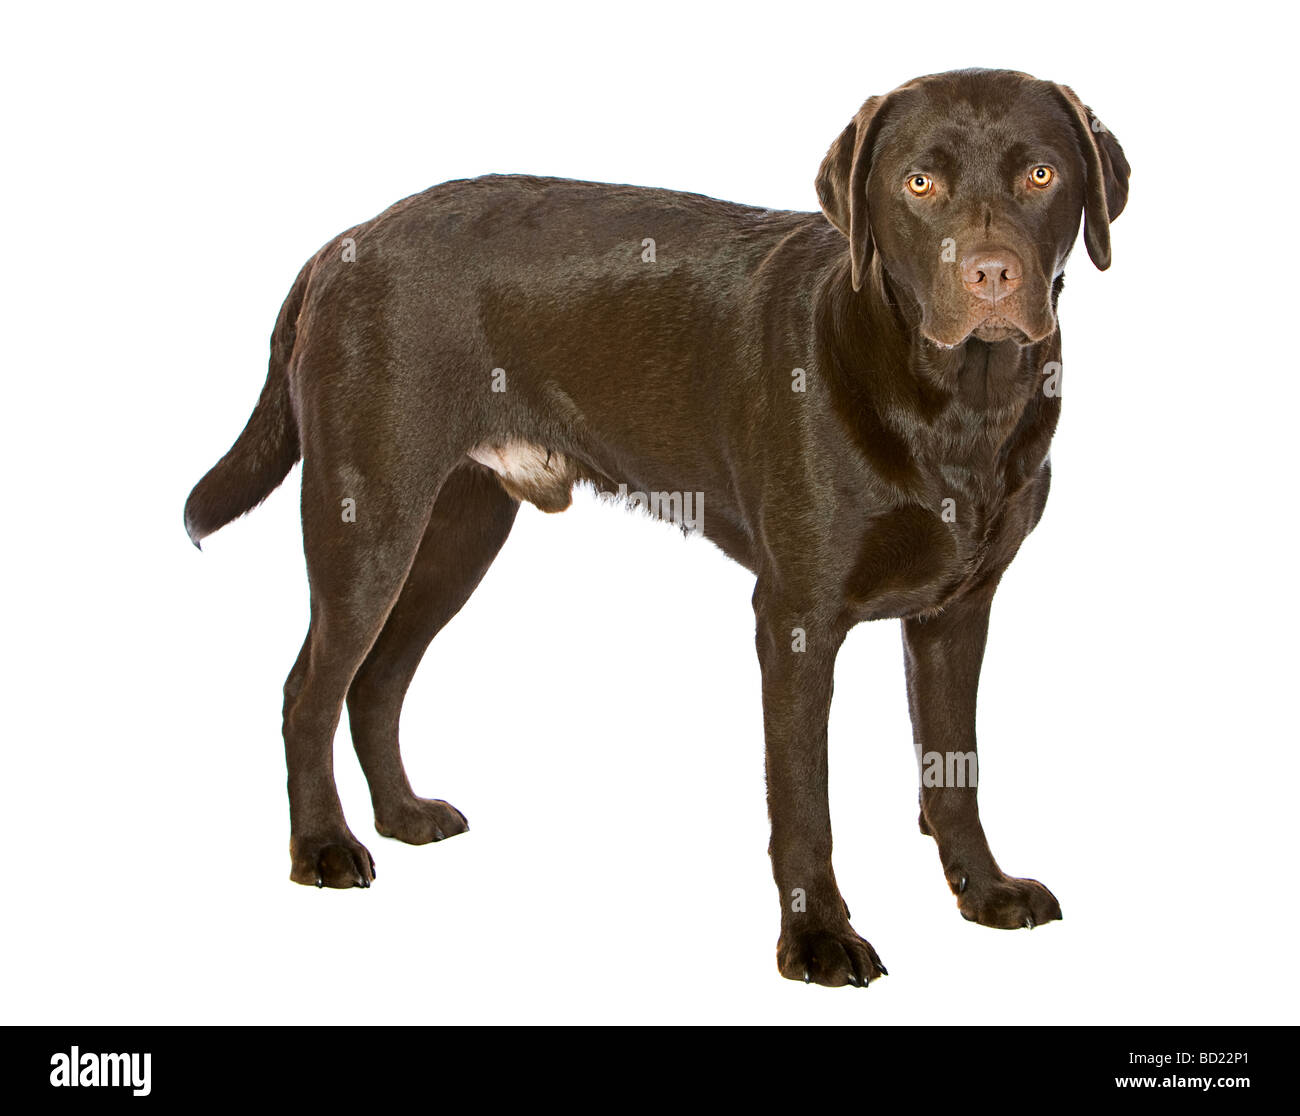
859,403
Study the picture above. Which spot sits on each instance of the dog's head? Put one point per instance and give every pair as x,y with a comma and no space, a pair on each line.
970,186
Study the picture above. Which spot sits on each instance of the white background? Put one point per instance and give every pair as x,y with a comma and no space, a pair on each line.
595,709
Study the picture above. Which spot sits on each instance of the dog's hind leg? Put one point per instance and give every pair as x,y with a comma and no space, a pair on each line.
470,522
361,533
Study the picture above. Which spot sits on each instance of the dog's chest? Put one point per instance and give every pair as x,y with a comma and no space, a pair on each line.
959,530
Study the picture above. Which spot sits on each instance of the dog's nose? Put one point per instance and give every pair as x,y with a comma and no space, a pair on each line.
991,275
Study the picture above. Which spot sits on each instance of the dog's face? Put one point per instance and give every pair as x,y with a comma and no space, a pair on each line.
970,186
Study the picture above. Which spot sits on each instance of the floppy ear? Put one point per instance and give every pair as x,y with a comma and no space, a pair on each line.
1106,190
842,184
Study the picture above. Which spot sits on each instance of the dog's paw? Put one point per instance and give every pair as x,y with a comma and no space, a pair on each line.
830,957
1006,903
418,821
330,860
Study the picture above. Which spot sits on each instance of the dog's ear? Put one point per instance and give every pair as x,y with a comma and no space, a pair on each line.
1106,189
842,184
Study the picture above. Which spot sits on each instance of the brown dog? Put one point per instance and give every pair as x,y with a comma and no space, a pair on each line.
857,407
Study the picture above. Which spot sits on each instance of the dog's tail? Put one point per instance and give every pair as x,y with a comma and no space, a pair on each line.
267,449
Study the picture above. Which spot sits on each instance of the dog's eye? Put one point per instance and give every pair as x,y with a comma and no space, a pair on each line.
921,184
1041,176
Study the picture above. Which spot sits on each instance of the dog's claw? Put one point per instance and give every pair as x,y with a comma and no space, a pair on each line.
1029,922
961,886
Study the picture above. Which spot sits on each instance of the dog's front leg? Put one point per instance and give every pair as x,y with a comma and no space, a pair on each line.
943,656
796,652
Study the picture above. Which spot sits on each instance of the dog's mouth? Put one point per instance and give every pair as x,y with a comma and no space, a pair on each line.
997,328
985,323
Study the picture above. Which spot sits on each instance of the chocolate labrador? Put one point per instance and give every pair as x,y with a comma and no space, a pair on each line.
855,404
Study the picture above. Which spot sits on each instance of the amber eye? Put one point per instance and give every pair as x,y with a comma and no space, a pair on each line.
921,184
1041,176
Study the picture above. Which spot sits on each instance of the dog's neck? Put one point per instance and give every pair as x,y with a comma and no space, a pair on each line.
978,407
